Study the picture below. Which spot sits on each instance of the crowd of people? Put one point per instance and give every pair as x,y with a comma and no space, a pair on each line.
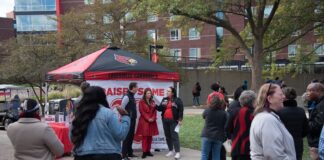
267,125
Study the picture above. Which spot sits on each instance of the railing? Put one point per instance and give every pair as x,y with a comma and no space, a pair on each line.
194,62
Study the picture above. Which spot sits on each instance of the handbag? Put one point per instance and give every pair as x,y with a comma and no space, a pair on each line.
228,145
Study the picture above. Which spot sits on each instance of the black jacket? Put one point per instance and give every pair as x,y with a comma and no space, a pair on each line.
177,109
315,124
215,120
233,109
131,105
296,122
196,90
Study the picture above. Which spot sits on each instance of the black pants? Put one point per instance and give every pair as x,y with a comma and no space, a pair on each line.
113,156
172,137
241,157
128,142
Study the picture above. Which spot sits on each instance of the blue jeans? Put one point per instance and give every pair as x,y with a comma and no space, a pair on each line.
196,101
208,145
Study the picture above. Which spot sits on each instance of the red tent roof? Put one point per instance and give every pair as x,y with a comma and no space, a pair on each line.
112,64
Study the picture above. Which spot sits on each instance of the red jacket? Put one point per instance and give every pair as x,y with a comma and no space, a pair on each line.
144,127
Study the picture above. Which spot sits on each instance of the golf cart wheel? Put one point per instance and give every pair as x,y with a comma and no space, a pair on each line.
6,123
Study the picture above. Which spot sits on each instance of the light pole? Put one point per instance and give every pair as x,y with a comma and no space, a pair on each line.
153,47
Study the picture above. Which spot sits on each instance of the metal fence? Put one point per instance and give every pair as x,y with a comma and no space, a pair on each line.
194,62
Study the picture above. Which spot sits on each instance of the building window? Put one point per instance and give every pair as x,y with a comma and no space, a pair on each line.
130,34
36,23
87,2
106,1
219,36
35,5
152,18
129,17
90,36
319,49
194,34
318,30
107,19
90,18
220,15
175,34
151,33
267,11
296,33
176,54
194,53
292,50
108,37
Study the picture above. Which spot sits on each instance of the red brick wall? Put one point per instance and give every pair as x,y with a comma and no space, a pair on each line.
6,28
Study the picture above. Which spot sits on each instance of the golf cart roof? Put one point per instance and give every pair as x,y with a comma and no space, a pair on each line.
10,87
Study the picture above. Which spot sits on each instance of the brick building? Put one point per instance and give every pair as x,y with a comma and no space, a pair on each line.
189,45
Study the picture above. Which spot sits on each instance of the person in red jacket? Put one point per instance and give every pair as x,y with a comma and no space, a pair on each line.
147,126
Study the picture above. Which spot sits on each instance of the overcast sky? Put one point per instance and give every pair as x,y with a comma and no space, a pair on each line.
6,6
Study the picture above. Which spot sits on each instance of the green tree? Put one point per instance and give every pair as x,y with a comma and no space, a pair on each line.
269,23
100,24
29,58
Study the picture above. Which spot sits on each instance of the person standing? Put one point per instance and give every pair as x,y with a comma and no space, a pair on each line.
31,138
241,128
295,120
315,92
172,115
269,138
147,126
213,133
96,131
233,109
15,105
83,86
129,104
196,93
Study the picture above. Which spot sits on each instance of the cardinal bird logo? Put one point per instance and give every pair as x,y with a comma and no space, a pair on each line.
125,60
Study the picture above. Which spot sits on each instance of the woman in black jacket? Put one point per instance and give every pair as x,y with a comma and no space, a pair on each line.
172,114
295,120
213,133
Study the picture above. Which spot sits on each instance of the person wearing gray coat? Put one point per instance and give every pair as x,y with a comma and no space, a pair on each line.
31,138
269,138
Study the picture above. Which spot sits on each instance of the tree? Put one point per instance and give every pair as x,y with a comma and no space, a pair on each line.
269,23
29,58
101,24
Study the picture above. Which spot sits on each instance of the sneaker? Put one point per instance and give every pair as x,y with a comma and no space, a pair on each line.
177,156
194,106
169,154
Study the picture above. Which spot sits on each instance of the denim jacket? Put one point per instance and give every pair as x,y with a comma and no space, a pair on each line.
105,133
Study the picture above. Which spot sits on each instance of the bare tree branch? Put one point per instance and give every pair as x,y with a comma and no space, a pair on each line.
272,13
308,28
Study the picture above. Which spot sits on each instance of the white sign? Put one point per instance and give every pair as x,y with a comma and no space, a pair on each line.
49,118
115,90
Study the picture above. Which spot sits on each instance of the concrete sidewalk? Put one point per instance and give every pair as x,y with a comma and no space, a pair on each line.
186,154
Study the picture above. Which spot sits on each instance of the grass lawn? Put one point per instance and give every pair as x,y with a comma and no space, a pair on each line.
191,130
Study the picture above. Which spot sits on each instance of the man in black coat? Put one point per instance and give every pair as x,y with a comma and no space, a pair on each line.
315,92
295,120
129,104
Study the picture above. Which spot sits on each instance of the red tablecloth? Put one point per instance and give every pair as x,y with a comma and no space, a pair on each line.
62,133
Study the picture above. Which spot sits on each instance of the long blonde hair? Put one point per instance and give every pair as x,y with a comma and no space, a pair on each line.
262,102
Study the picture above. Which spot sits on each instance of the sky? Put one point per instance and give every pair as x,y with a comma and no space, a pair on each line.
6,6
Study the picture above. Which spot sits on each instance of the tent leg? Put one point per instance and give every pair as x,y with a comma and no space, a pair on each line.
46,95
178,87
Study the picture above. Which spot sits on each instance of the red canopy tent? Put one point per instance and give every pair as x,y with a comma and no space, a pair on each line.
111,64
